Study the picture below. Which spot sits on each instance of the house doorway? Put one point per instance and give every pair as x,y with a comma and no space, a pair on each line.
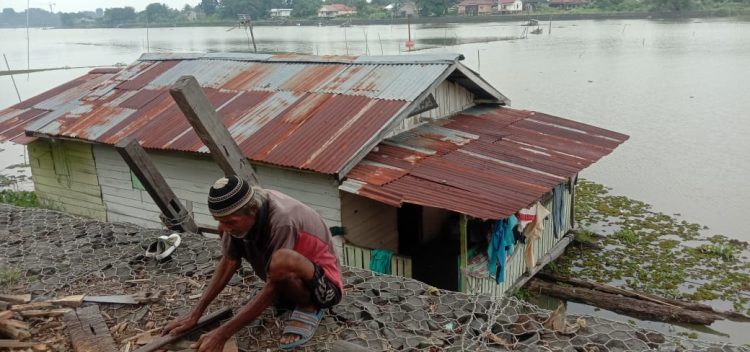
430,237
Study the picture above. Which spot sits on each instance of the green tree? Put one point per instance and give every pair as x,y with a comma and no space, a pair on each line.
434,7
156,12
119,15
306,8
231,8
209,6
671,5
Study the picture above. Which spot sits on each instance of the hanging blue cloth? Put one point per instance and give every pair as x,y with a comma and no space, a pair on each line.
380,261
557,208
501,244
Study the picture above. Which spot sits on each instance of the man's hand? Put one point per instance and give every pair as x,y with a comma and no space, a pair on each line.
212,341
180,325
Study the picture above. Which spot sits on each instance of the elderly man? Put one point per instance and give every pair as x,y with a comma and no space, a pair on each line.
289,247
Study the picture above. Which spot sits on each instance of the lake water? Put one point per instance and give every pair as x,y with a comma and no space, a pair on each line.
680,89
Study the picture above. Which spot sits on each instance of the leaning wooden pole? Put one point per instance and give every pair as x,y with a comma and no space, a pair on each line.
156,186
198,110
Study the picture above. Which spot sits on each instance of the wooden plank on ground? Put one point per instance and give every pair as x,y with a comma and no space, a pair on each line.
87,330
155,184
194,103
44,313
17,299
36,346
205,320
68,301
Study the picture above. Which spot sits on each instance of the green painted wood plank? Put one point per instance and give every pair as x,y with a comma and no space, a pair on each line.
74,197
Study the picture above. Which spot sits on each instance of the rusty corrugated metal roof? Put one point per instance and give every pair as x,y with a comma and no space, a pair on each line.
49,105
299,111
485,162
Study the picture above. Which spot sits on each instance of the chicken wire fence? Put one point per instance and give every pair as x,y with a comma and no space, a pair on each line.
51,254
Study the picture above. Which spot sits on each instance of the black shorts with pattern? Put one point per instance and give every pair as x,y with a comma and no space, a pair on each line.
324,293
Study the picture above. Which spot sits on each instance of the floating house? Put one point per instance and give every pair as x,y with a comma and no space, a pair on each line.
415,160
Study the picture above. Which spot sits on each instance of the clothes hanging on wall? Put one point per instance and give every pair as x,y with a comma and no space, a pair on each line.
501,244
558,205
532,232
380,261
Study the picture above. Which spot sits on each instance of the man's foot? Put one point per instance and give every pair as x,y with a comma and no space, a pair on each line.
300,328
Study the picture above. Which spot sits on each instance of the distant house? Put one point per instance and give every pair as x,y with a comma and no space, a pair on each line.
335,10
416,155
192,15
408,9
510,6
280,13
476,7
568,4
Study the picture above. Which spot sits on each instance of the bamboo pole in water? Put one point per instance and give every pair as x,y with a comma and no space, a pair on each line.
11,77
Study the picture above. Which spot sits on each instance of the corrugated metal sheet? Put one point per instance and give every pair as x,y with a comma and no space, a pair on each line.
50,105
486,163
298,111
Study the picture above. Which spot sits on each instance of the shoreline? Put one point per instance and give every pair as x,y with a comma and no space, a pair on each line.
454,19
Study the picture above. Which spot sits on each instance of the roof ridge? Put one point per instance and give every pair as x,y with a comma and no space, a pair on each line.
411,59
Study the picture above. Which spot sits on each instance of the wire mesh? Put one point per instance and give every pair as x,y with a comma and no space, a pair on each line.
52,254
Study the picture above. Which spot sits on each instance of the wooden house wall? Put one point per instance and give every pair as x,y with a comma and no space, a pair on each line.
516,266
368,223
451,99
190,176
64,175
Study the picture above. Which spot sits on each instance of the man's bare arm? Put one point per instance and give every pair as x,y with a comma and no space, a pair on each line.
224,271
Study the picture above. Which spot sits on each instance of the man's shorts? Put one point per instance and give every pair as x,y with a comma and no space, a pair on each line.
324,293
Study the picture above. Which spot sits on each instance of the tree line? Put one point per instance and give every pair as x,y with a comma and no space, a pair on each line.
227,10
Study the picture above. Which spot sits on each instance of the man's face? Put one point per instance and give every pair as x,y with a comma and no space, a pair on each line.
237,225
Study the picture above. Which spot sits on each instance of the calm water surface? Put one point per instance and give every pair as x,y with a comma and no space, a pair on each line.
679,89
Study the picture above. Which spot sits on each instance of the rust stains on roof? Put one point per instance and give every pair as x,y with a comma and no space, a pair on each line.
486,163
304,112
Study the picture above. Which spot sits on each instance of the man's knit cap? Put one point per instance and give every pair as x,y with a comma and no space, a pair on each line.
227,195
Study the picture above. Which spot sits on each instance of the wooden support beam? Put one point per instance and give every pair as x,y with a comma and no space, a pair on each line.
155,184
463,222
189,96
205,320
87,330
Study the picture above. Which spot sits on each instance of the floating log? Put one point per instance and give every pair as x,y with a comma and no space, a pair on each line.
644,296
639,308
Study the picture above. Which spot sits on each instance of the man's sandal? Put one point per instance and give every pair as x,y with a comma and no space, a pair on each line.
307,329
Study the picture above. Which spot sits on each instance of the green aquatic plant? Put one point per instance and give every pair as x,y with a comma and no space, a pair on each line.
19,198
636,247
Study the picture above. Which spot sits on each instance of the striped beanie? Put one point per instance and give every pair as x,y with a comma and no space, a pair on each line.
227,195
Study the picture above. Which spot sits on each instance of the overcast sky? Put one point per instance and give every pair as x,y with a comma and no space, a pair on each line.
88,5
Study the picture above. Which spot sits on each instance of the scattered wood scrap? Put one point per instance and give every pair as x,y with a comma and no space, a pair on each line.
16,299
36,346
87,330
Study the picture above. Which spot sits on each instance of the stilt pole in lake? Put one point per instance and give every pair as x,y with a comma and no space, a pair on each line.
28,39
381,44
12,79
247,23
